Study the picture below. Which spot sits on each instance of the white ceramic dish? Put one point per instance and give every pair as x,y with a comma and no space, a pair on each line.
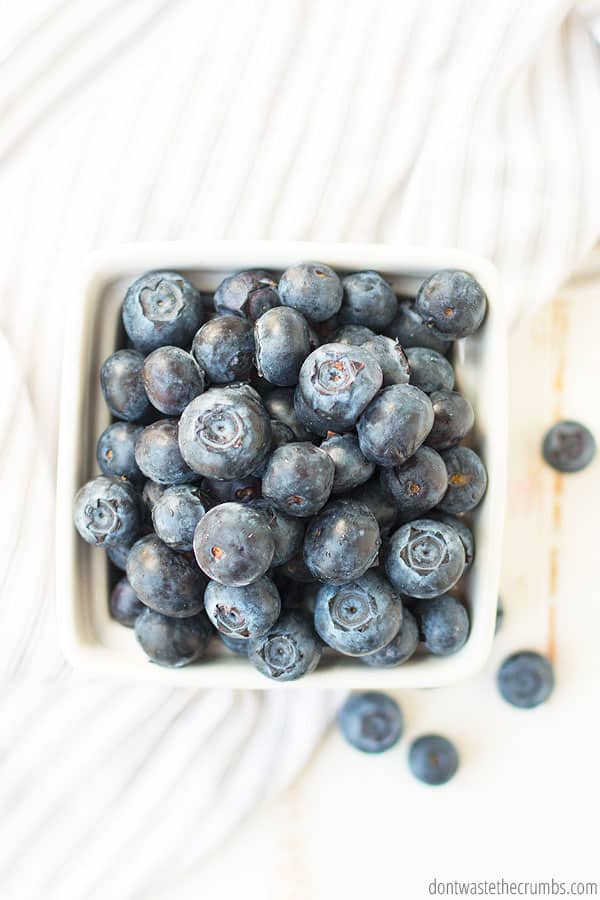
97,645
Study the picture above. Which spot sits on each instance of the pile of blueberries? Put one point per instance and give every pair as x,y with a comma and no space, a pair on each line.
286,468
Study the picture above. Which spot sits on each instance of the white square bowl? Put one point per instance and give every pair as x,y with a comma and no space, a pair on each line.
99,646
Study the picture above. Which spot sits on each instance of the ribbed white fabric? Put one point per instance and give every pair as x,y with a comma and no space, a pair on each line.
456,123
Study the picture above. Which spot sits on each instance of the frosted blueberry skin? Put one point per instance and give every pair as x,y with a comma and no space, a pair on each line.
451,303
279,403
381,504
410,330
429,370
287,531
351,467
360,617
172,378
243,612
224,349
312,422
400,648
355,335
368,300
424,558
313,289
108,511
124,605
118,553
162,308
467,480
176,514
444,625
341,542
224,434
173,642
151,491
568,446
115,451
234,644
163,579
464,533
526,679
371,722
418,485
395,424
249,293
391,358
337,381
433,759
298,479
233,544
289,650
123,386
280,435
158,456
453,419
282,343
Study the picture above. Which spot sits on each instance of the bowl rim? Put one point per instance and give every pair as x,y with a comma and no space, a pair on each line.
96,272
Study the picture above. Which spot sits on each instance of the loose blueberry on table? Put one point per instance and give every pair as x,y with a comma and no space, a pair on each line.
287,472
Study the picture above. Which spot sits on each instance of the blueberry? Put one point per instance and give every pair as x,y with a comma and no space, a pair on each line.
371,722
224,434
287,531
233,544
464,533
115,450
429,370
411,331
526,679
123,387
173,642
289,650
395,424
243,612
280,435
467,480
108,511
400,648
391,358
360,617
282,343
118,553
418,484
424,558
172,378
279,403
353,334
351,467
379,502
337,381
176,514
454,418
234,644
368,300
162,308
444,624
451,303
151,492
297,571
124,604
311,421
244,490
250,293
499,616
163,579
298,479
158,456
313,289
569,446
433,759
224,348
341,542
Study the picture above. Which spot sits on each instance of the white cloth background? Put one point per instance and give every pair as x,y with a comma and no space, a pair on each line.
457,123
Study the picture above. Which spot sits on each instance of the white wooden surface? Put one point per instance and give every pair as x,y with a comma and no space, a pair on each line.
523,804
